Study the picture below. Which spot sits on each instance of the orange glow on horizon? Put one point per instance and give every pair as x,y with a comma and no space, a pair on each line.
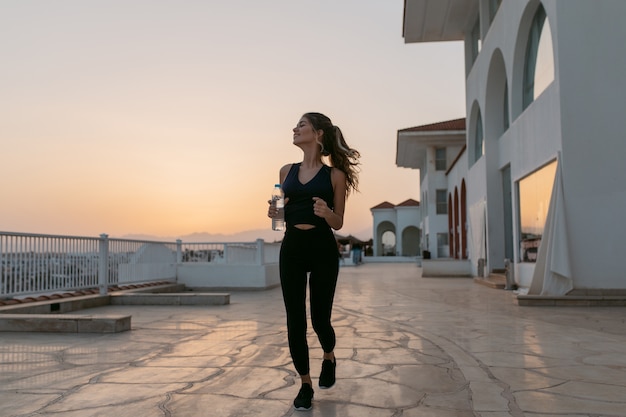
175,123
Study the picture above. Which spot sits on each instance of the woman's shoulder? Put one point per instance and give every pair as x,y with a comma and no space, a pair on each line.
284,171
337,174
287,167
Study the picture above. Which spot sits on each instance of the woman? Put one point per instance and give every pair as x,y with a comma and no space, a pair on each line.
315,196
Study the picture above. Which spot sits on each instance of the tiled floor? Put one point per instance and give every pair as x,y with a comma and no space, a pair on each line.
407,346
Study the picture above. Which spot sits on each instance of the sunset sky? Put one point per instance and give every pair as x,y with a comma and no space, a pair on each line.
167,118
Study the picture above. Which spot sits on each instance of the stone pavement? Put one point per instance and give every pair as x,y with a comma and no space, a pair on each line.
406,346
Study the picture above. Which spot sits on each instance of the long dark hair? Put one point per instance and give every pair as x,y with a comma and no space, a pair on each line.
334,146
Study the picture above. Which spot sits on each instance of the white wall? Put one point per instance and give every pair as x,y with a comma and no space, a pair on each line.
207,275
593,105
579,115
407,216
533,137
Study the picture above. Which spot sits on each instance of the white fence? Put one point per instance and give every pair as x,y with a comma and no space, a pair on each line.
43,264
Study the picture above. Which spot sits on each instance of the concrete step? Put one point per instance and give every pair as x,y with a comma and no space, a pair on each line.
496,281
64,323
171,299
571,300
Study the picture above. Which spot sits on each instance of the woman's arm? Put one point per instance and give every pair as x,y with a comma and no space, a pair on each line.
272,211
283,173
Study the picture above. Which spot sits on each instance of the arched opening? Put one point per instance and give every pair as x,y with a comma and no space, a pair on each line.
411,237
476,142
451,225
479,143
497,100
385,239
464,226
539,58
388,242
506,118
456,222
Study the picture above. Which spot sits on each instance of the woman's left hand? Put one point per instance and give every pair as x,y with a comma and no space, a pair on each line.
320,208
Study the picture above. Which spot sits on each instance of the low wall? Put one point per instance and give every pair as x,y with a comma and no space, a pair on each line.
446,268
131,273
391,259
216,276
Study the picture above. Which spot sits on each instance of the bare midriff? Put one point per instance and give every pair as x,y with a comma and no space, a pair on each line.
304,226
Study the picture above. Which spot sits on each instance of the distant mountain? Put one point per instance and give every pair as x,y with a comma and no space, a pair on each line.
246,236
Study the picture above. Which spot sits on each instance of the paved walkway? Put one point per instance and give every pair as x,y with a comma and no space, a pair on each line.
407,346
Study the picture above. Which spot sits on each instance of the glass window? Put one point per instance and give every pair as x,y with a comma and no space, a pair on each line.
539,65
440,159
535,191
479,144
442,202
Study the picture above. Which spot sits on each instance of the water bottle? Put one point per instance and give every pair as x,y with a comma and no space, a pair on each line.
278,222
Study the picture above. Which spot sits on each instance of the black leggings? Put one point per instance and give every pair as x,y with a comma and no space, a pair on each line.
301,252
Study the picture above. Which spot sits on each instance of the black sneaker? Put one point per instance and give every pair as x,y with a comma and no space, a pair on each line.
303,400
327,376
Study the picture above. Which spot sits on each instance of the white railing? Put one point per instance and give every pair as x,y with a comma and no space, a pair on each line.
31,264
230,253
43,264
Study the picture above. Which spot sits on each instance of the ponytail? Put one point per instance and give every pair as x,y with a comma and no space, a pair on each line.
334,147
346,159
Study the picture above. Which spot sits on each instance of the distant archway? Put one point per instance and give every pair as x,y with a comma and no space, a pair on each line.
386,239
411,240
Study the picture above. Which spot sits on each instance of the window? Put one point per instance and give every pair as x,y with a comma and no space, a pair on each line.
539,64
442,202
440,159
534,199
479,144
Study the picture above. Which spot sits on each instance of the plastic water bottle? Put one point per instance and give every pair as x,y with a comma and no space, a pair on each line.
278,198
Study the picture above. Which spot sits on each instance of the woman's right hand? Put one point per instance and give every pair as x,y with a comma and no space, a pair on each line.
272,211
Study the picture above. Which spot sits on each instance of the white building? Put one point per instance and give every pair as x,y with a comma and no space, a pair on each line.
543,163
396,229
434,149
